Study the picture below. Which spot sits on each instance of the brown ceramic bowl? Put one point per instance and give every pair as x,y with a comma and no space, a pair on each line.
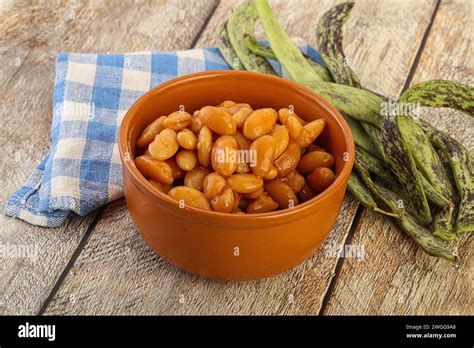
229,246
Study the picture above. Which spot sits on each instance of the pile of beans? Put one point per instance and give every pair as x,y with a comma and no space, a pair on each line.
234,159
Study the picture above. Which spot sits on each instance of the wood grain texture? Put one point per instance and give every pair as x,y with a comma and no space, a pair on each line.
118,274
397,277
31,33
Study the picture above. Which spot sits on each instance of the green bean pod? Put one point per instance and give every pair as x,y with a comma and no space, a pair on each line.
419,234
295,63
425,240
443,226
398,208
226,50
363,195
462,169
403,166
361,138
376,136
329,40
242,21
440,93
444,220
375,166
425,156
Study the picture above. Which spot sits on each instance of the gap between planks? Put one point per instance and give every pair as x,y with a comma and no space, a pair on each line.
71,261
100,211
340,261
416,61
360,208
206,22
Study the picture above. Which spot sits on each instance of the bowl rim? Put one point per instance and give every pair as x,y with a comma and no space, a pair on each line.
126,155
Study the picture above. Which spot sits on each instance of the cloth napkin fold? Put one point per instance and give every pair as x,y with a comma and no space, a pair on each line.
92,93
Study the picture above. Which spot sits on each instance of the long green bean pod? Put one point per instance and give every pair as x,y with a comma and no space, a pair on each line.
242,21
361,138
397,208
444,226
375,136
226,50
329,40
363,195
440,93
403,166
295,63
329,36
419,234
432,169
425,156
462,169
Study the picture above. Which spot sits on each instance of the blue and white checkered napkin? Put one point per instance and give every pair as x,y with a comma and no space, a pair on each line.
92,93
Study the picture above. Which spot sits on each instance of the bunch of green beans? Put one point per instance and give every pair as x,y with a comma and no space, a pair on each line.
430,202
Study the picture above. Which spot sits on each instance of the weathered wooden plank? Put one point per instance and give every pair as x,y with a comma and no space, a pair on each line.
31,35
398,278
117,273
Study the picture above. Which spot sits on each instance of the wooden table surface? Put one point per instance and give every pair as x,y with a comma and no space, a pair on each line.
98,264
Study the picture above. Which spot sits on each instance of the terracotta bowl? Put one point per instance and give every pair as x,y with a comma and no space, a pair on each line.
229,246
